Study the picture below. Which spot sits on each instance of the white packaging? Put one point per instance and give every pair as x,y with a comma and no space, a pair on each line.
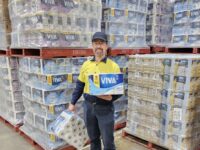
70,128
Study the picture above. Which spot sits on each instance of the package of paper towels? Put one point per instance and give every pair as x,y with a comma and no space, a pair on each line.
106,84
71,128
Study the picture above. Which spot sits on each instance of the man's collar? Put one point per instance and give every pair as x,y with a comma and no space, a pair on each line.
103,60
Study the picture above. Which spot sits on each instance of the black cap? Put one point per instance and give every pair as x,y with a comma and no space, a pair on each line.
100,36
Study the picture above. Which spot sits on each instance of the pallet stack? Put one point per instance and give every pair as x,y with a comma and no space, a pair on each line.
125,23
5,25
163,104
37,23
159,23
47,84
47,87
11,104
186,24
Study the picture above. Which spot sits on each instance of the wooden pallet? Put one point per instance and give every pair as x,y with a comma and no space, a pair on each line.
120,126
156,49
9,124
38,146
5,52
46,53
147,144
187,50
131,51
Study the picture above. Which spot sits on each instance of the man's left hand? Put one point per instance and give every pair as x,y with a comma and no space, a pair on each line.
105,97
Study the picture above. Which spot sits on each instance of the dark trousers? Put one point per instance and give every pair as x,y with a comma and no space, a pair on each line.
99,120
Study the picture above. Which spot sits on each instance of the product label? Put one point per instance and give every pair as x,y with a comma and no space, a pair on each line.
51,36
177,114
48,2
56,79
183,62
195,14
104,84
119,13
69,4
181,79
167,62
72,37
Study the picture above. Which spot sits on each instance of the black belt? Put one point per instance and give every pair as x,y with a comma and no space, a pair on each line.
95,100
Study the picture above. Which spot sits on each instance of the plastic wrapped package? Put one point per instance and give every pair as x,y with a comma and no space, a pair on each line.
138,105
15,117
181,17
7,62
183,143
13,85
29,116
50,82
120,4
10,87
146,119
9,73
144,132
185,29
125,26
17,106
120,117
194,27
133,5
116,40
77,63
159,22
55,23
179,40
50,97
24,64
180,5
45,66
134,16
16,8
46,96
71,128
47,141
48,111
122,61
113,27
114,15
93,25
174,106
120,105
13,95
42,123
5,40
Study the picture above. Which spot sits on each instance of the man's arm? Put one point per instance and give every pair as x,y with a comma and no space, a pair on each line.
78,91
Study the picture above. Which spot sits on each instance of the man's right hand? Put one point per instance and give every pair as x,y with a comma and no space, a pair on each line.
71,108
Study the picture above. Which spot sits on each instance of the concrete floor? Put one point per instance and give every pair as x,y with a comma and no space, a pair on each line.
10,140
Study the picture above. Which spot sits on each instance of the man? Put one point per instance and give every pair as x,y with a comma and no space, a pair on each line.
98,110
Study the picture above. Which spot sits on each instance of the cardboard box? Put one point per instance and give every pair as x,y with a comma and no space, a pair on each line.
106,84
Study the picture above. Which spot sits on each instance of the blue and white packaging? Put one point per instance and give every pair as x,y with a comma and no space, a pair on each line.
71,128
106,84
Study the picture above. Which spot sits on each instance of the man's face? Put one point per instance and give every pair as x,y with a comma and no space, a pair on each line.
99,48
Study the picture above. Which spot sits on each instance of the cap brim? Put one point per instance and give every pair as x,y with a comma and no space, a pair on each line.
99,38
